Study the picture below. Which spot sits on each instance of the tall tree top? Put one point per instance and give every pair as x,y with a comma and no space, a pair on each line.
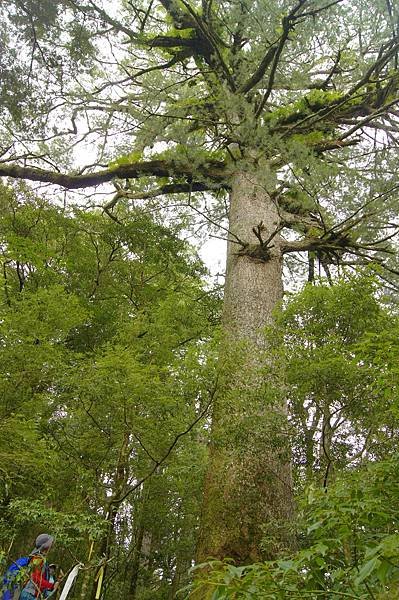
221,76
174,94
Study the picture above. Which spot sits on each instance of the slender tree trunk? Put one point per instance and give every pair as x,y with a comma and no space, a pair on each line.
183,564
142,543
120,479
183,529
131,595
248,483
86,580
326,443
105,546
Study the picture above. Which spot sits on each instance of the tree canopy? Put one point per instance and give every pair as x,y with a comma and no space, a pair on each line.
174,97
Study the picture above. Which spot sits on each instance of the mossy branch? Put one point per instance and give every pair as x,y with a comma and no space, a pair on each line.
214,171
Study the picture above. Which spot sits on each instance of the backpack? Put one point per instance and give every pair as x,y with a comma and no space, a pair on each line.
14,580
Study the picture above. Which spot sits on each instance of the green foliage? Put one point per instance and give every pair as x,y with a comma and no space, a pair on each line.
105,324
126,159
104,331
350,546
333,347
323,347
312,102
184,154
67,528
183,34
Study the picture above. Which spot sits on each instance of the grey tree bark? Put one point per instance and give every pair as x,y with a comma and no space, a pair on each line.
248,492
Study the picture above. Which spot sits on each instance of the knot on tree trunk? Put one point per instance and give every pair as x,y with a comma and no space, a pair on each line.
260,252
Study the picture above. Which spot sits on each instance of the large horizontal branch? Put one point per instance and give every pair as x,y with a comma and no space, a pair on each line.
214,171
172,41
311,244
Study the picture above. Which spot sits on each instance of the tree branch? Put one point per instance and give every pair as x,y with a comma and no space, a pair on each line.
288,24
159,462
276,47
373,115
203,31
180,19
106,18
213,170
172,188
204,44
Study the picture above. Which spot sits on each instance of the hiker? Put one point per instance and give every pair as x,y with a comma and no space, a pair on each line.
39,583
52,577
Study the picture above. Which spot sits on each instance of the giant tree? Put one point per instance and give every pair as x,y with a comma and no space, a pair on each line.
287,108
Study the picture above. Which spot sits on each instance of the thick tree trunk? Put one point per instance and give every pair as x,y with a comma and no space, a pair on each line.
248,487
253,285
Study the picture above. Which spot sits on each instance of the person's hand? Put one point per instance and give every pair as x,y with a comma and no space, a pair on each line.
56,585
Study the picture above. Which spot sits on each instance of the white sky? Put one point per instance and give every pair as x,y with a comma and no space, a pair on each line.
213,253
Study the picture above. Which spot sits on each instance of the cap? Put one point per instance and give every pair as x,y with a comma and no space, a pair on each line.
44,541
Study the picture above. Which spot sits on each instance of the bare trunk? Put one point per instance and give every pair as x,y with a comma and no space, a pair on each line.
248,485
253,284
